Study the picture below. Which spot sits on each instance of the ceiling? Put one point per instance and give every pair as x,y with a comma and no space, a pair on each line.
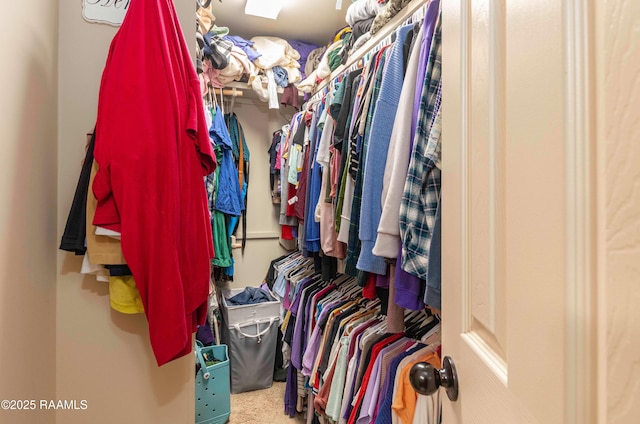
314,21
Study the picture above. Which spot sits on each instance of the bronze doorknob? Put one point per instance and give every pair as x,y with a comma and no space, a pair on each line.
426,380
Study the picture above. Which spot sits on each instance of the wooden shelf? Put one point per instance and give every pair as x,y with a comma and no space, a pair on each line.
367,47
386,31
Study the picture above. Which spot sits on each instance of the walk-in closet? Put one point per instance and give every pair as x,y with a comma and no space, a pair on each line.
335,187
331,211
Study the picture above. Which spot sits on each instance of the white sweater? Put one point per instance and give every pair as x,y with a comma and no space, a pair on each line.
361,10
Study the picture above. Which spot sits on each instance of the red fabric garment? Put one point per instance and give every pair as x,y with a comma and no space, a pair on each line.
291,207
322,398
369,290
290,97
286,232
302,188
375,351
152,148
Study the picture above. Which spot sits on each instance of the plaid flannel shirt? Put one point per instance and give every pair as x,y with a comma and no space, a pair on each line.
422,187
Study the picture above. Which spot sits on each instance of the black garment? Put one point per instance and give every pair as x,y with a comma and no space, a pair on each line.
345,109
361,276
345,145
324,361
361,27
279,372
354,161
383,295
118,270
270,278
75,231
273,155
288,332
406,49
329,267
298,137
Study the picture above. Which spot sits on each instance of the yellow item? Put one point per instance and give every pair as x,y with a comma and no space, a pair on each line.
342,33
285,322
102,250
124,296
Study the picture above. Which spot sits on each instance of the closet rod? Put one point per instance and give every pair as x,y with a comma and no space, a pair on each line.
405,16
235,92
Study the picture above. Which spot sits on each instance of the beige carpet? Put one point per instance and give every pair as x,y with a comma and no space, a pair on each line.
262,407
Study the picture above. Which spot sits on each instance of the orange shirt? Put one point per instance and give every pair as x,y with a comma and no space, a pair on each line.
405,397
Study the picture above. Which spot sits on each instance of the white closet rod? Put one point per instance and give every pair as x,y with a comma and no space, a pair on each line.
413,12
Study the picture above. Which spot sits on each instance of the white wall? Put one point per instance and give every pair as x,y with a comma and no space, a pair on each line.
28,168
263,230
103,356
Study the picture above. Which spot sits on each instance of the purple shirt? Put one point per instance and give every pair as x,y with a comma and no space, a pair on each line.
310,353
429,25
382,280
296,310
304,49
291,393
409,289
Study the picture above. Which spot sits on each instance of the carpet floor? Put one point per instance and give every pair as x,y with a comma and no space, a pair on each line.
262,407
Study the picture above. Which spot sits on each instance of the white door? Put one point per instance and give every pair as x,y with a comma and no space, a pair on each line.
509,210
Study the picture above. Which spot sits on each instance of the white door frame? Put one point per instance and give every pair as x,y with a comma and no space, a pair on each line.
581,310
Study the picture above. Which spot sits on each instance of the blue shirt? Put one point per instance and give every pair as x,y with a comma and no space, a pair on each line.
229,197
312,228
376,156
245,45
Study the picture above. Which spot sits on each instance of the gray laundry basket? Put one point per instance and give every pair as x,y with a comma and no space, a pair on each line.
252,353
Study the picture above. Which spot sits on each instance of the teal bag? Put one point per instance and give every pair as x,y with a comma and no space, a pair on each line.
213,392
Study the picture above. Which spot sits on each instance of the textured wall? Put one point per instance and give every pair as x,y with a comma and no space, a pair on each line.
619,58
258,123
103,356
28,167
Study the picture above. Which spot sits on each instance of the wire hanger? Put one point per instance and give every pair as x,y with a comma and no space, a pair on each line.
214,100
222,101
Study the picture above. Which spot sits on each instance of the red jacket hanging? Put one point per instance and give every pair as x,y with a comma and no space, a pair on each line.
153,149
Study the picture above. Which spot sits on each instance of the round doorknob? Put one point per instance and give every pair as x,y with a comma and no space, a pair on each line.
426,380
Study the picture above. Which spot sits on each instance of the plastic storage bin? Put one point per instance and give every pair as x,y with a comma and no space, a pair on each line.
213,395
239,314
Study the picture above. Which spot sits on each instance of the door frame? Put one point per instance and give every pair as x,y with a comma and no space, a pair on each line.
582,288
